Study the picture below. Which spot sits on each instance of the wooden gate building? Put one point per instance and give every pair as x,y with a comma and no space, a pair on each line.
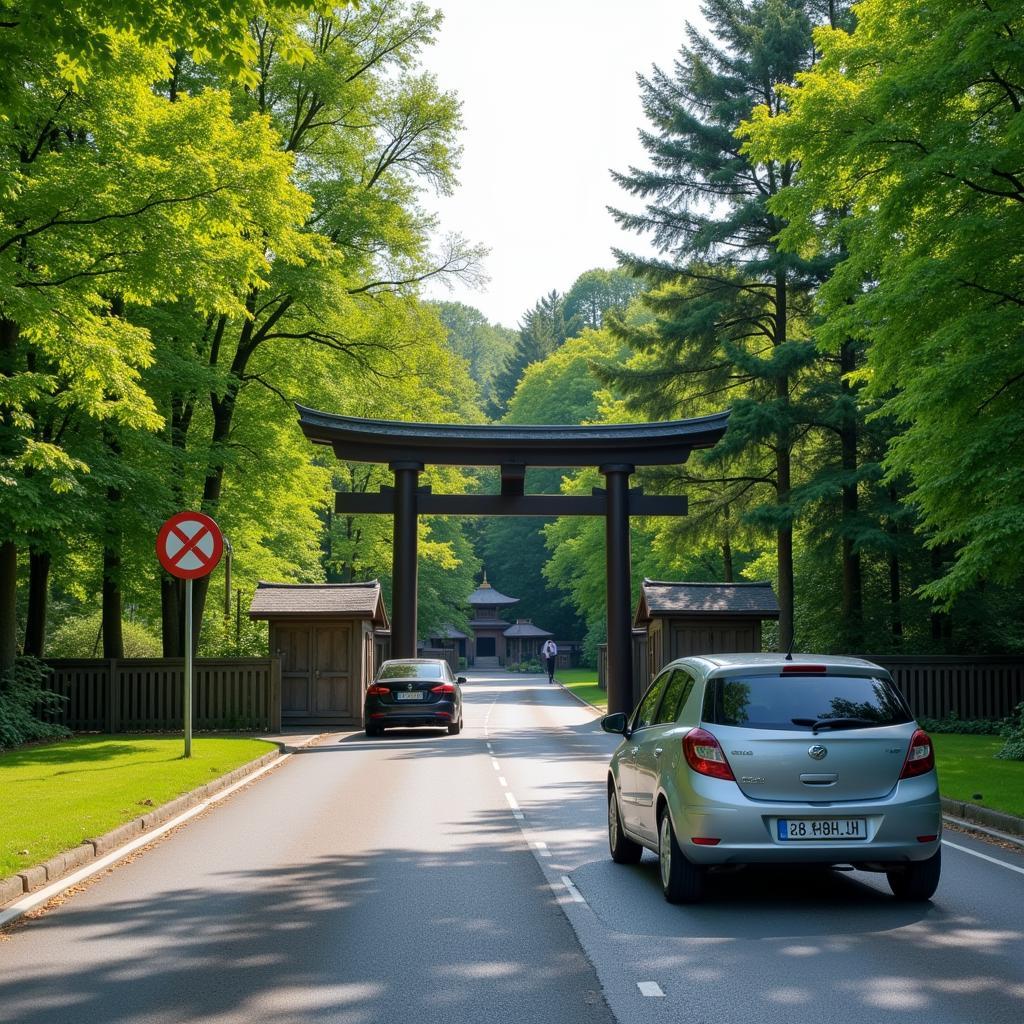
324,635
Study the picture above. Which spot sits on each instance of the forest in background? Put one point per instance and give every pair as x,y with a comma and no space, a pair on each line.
201,227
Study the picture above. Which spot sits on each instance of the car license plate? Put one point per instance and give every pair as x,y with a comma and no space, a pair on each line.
792,829
409,695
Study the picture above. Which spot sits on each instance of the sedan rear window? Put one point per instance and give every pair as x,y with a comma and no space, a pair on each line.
804,703
410,670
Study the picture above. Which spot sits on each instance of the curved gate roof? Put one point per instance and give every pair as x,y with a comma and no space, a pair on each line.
498,444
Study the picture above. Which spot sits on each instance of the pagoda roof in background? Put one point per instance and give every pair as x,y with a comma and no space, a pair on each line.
486,595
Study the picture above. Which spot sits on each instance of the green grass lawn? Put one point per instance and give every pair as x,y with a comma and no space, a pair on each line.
56,795
583,682
967,767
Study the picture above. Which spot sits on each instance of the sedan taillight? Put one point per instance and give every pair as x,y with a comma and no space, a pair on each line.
443,688
375,690
920,757
705,756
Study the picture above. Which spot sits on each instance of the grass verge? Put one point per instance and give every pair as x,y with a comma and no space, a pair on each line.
58,794
967,767
583,682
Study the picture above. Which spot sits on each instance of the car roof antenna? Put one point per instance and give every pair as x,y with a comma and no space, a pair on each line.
792,641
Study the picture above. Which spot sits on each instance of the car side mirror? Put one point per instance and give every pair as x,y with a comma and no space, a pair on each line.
614,724
460,679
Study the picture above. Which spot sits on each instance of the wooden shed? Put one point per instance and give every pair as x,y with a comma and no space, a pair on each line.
702,618
324,635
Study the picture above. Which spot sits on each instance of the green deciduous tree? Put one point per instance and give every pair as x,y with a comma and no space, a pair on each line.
911,126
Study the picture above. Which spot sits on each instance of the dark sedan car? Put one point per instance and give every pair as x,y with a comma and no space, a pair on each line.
414,691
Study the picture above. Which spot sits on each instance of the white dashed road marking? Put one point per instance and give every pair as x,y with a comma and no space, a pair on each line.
577,896
649,988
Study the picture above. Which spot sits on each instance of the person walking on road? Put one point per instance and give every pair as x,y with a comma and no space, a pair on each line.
550,652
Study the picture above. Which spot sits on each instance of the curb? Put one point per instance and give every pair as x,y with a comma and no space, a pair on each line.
576,696
36,877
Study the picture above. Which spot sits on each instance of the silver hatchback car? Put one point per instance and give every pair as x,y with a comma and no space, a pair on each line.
737,759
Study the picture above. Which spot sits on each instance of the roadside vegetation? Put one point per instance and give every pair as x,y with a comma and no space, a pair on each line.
58,794
969,770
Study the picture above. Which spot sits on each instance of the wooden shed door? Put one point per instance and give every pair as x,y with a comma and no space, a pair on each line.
316,669
332,674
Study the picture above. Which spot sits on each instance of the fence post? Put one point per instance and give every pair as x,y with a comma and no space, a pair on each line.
112,710
275,695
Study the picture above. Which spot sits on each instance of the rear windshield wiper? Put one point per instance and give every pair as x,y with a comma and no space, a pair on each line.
821,723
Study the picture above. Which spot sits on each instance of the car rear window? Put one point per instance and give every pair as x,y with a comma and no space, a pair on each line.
804,703
410,670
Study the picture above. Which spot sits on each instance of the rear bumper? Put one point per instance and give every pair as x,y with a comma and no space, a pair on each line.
439,714
748,833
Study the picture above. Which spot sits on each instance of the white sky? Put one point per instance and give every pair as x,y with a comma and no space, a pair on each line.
550,104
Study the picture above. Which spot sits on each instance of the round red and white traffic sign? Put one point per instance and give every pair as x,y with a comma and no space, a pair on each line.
189,545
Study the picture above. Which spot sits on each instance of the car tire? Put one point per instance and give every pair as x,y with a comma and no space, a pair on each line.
374,730
681,880
918,881
621,847
455,728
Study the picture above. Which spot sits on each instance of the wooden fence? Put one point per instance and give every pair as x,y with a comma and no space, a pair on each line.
985,687
145,694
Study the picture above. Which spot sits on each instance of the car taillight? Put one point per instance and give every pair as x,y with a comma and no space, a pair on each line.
443,688
920,757
705,756
800,669
378,691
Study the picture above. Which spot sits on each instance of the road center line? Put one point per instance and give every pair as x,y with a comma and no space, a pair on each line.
495,765
501,779
984,856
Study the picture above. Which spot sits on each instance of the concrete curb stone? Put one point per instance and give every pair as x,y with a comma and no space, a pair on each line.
64,863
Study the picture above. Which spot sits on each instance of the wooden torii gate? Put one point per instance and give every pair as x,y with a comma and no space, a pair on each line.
615,449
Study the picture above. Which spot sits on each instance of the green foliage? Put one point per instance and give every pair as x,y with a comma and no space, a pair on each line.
81,637
1013,732
484,346
951,724
910,128
23,695
596,293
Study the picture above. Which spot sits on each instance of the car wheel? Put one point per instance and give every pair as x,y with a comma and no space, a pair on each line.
455,728
918,881
681,880
622,848
374,730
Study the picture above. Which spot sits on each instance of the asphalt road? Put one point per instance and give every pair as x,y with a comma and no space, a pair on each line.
421,877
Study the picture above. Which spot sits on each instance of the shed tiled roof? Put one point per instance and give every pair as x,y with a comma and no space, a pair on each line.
318,600
752,600
526,629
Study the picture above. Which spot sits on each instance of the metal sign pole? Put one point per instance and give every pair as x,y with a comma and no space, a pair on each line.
187,701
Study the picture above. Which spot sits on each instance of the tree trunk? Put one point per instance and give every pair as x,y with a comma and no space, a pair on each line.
940,621
783,481
852,598
8,550
172,605
113,639
727,561
8,604
894,574
38,599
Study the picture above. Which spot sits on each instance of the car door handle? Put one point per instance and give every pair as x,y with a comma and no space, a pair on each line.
635,751
658,751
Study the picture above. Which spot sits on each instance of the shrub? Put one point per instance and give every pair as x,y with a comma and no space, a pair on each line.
22,696
531,666
1013,732
80,638
962,726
